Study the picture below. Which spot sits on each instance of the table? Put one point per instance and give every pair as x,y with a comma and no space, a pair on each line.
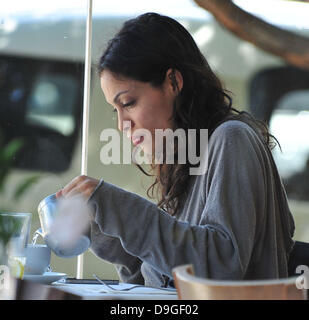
100,292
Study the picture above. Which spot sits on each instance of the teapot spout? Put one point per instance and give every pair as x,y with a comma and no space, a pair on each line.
37,233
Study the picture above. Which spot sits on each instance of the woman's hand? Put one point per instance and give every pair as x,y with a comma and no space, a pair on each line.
81,185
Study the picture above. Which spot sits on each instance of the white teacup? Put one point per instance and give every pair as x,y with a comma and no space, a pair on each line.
37,258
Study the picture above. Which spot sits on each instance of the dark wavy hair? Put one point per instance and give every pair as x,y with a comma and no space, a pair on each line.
143,50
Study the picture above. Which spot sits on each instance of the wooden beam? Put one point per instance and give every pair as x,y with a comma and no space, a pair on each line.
292,47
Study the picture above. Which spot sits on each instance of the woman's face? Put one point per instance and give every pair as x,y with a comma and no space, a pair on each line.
141,104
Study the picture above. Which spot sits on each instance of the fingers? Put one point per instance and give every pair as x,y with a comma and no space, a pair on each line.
84,188
73,184
69,186
81,185
59,194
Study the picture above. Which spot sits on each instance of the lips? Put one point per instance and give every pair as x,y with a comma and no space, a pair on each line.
137,140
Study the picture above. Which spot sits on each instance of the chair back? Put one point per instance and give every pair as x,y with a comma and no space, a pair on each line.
190,287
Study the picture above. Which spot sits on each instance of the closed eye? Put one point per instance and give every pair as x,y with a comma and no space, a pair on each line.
126,105
129,104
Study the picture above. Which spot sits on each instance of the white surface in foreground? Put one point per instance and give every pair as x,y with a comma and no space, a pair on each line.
97,291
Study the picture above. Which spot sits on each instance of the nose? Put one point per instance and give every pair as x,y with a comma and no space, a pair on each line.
124,123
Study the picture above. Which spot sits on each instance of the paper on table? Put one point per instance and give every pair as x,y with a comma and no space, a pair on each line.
139,290
96,289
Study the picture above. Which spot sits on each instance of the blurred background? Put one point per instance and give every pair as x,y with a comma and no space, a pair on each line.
42,52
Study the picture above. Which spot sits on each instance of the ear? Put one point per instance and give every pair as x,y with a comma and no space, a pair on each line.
174,80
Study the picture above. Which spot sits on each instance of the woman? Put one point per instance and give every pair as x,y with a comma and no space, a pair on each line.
232,222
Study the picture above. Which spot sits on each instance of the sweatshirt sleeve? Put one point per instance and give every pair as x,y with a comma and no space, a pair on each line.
110,249
220,245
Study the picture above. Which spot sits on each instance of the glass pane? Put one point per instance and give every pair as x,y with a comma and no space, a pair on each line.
41,103
51,102
290,123
42,48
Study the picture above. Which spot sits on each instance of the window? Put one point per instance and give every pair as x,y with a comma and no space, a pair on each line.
290,122
280,97
41,102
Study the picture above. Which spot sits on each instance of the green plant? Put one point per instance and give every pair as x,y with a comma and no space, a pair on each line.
7,229
8,153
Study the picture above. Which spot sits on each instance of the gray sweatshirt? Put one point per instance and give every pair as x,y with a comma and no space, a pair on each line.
234,224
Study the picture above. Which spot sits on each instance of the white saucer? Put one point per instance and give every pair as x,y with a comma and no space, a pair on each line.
45,278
